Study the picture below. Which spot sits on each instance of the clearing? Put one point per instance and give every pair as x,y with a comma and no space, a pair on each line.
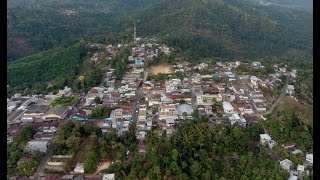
162,68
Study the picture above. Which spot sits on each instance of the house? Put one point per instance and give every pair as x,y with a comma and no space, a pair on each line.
261,106
141,135
309,158
282,69
79,168
37,145
205,110
108,177
65,92
300,169
227,107
207,99
43,136
56,113
290,89
167,111
266,139
286,164
170,122
293,175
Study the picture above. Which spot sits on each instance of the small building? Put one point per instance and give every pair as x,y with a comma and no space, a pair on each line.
290,89
37,145
309,158
266,139
170,122
79,168
300,169
227,107
286,164
108,177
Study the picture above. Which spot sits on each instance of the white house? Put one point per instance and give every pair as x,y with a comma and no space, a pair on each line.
300,169
108,177
286,164
309,158
79,168
37,145
290,89
227,107
266,139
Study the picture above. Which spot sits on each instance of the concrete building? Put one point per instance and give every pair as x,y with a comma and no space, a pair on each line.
286,164
37,145
108,177
56,113
227,107
79,168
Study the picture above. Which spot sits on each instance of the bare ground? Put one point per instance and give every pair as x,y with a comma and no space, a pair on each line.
161,68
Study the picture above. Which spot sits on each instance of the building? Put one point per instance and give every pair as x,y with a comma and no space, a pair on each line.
227,107
300,170
266,139
184,110
79,168
167,111
56,113
108,177
36,111
286,164
290,89
37,145
309,158
207,99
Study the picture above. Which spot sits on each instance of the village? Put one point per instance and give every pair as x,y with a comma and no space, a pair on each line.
156,96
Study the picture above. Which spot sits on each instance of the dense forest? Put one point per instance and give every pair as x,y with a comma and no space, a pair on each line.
236,29
200,150
53,69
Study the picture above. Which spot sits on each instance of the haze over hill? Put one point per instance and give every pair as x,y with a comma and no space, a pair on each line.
201,28
306,4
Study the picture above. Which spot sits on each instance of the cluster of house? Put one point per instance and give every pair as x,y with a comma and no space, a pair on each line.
104,52
24,110
101,176
286,164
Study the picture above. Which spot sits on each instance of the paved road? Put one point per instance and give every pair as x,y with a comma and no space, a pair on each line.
246,92
193,98
280,98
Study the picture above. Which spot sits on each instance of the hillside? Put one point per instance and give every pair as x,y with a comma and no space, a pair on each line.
58,65
201,28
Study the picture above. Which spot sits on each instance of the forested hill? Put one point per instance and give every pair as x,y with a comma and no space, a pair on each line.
201,28
59,65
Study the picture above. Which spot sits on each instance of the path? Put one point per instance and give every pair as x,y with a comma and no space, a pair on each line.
280,98
103,166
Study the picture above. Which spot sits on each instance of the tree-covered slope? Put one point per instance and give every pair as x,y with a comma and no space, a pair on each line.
230,28
201,28
43,67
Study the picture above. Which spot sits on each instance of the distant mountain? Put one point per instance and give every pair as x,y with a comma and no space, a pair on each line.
200,28
306,4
